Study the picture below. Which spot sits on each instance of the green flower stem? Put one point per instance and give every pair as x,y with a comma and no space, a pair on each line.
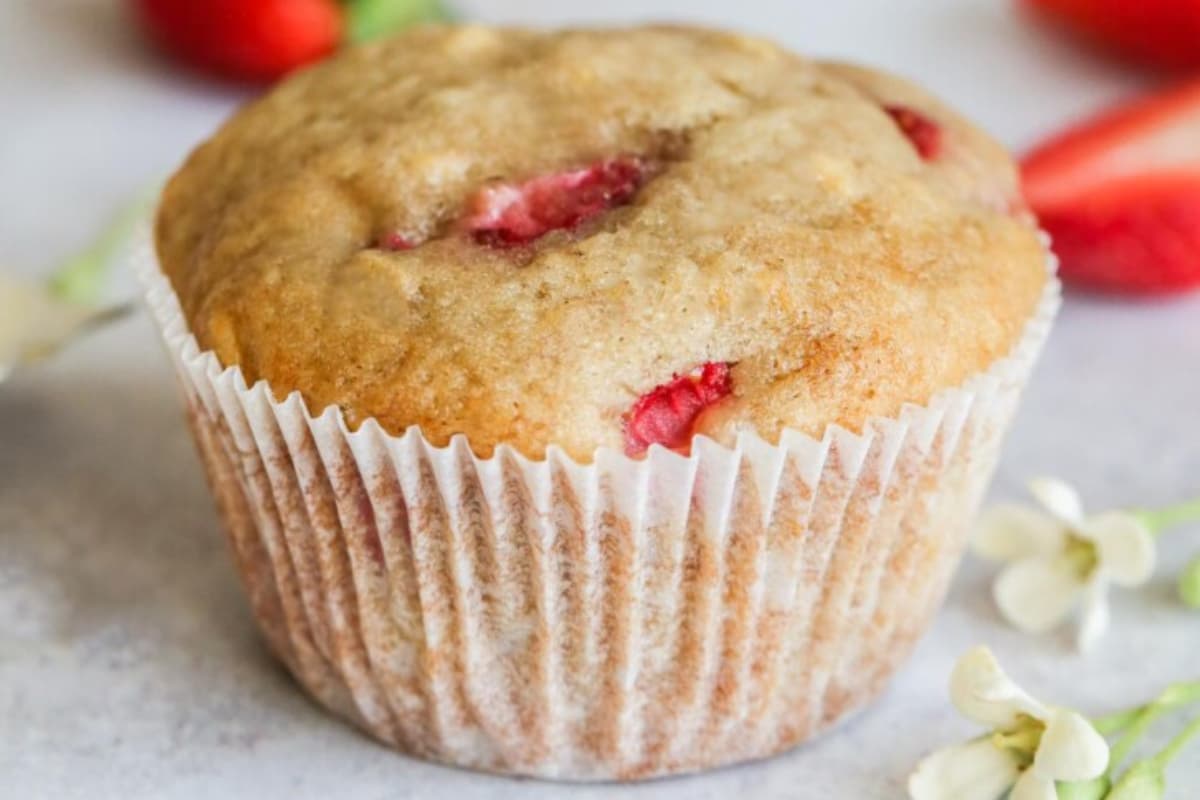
1178,743
1134,723
1189,583
81,279
1115,723
1135,732
1161,519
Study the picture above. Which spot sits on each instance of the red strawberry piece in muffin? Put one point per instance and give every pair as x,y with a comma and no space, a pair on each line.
511,215
396,242
924,133
667,415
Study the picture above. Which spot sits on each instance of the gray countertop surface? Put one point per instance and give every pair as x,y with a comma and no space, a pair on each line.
129,667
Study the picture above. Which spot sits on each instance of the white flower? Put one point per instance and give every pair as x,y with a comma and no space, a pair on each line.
34,322
1061,559
1031,745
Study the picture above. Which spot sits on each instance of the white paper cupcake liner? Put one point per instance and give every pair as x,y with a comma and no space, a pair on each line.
613,620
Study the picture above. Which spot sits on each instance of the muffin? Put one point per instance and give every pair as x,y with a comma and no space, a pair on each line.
596,404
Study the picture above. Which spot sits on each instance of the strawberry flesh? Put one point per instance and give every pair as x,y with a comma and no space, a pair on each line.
511,215
1120,195
667,414
395,242
1140,237
924,133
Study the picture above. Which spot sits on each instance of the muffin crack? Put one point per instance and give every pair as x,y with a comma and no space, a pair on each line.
514,215
509,215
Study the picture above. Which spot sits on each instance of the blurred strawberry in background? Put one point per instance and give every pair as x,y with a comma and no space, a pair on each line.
1161,33
1120,195
246,39
261,40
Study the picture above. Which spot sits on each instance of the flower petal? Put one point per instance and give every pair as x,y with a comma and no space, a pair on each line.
977,770
1071,748
982,692
1034,786
1059,498
1095,615
1125,546
1036,594
1010,532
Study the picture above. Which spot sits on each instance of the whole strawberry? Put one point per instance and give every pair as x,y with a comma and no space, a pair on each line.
245,39
261,40
1164,33
1120,195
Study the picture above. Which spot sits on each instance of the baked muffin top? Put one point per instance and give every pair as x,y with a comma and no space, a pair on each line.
600,238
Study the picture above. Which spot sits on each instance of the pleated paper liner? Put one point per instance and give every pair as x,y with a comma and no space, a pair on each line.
613,620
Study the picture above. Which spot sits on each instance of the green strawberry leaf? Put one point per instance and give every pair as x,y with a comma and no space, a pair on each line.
371,19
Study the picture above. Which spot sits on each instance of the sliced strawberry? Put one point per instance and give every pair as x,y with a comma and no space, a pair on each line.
1164,33
510,215
924,133
1140,236
667,415
245,39
1120,195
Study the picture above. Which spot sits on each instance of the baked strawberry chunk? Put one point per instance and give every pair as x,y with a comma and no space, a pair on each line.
510,215
667,415
924,133
396,241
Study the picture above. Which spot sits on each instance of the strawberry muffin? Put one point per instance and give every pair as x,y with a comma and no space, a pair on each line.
597,404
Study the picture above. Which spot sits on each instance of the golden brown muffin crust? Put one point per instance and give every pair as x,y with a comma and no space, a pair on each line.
790,229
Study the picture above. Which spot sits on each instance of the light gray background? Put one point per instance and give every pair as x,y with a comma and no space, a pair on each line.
128,664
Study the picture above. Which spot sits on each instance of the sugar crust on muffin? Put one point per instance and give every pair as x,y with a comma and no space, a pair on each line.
723,201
